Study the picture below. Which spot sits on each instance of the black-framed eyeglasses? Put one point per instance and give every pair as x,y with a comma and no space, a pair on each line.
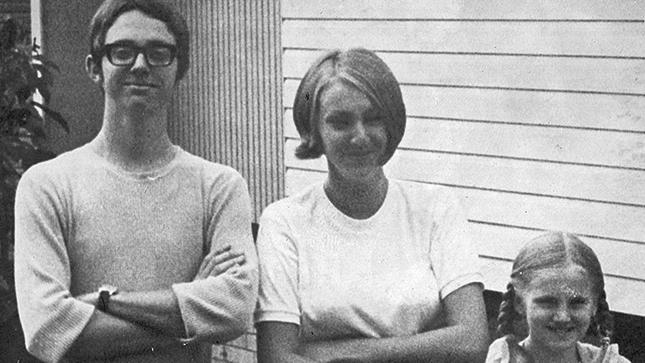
125,54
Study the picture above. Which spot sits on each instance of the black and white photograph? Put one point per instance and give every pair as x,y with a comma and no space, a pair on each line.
244,181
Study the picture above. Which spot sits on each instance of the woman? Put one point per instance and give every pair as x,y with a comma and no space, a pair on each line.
362,267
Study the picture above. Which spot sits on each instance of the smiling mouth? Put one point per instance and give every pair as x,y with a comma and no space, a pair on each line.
141,85
360,153
562,330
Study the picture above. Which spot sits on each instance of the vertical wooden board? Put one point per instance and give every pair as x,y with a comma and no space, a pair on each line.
225,110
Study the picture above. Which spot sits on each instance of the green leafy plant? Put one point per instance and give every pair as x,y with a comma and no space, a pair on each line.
24,73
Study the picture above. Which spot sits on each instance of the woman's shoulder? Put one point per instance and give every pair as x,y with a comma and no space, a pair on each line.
421,197
295,204
608,354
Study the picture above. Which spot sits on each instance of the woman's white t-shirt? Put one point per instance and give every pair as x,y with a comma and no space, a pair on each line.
339,277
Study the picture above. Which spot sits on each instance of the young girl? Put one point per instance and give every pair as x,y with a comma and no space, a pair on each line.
557,289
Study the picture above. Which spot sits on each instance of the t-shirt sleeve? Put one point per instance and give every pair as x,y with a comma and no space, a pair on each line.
454,259
613,355
498,352
278,300
51,318
219,308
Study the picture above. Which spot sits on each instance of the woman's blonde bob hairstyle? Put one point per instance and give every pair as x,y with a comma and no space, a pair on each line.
362,69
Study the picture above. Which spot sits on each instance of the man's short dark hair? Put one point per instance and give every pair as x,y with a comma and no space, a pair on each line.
110,10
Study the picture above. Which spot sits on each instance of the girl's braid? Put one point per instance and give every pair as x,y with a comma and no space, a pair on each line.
507,313
603,322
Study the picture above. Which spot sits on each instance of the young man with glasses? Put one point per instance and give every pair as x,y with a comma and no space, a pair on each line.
129,248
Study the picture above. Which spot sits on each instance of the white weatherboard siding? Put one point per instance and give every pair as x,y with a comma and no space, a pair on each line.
532,111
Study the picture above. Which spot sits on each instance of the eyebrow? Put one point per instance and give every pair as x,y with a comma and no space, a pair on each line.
152,43
336,113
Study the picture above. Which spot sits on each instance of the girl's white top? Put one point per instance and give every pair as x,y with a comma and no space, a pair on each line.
499,352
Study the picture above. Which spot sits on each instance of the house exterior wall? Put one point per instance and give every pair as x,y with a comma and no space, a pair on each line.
532,111
229,107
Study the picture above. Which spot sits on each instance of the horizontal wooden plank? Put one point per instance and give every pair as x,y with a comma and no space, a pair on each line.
617,258
523,72
524,107
595,147
560,180
496,272
623,295
526,211
465,9
553,38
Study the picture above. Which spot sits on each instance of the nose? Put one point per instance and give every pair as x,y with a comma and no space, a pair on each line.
562,314
359,134
140,63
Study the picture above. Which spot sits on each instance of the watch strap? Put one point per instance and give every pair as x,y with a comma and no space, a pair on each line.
104,300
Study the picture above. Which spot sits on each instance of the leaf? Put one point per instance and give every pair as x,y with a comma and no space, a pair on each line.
53,114
46,62
45,74
19,115
24,93
44,91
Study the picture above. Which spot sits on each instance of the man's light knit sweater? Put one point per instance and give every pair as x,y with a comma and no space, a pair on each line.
81,222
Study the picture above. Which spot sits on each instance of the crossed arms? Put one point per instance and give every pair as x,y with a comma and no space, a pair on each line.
464,339
215,306
139,321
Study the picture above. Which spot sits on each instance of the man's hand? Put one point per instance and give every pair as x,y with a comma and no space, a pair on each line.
218,262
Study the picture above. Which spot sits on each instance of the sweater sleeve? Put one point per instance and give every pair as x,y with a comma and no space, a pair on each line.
51,318
219,308
454,258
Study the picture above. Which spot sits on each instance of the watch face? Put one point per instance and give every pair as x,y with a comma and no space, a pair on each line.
111,290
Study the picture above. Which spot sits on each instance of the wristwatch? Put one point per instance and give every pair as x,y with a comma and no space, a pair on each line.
105,291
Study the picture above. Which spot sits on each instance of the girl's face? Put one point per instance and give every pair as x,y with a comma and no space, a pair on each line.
352,130
558,304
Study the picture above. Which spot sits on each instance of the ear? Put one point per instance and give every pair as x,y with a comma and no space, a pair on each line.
594,308
93,71
518,305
